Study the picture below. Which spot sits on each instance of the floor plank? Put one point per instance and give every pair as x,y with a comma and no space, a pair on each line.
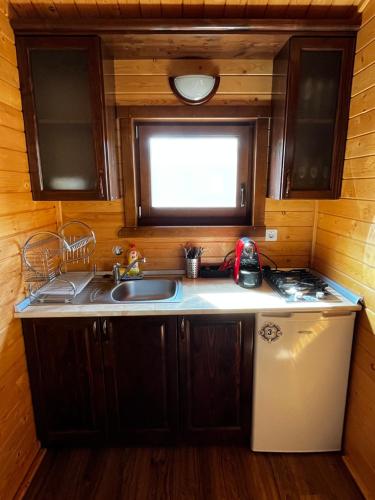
190,473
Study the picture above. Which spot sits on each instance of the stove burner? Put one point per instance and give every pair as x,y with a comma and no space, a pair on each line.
295,289
298,285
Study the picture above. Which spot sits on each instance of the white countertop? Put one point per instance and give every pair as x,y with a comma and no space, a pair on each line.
200,296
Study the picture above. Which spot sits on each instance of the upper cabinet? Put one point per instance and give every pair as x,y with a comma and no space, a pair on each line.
310,108
68,123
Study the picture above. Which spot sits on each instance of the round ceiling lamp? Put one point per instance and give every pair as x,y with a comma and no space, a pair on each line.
194,89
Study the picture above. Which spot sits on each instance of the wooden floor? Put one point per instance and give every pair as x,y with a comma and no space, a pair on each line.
212,473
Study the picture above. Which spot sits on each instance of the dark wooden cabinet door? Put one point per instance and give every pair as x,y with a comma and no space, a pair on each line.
215,368
311,87
68,136
66,376
141,373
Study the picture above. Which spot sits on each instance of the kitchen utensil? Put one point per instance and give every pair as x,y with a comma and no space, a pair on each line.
192,252
192,267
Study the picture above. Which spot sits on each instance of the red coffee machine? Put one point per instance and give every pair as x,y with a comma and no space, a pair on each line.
247,270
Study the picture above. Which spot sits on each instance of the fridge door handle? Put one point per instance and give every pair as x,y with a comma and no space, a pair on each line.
277,315
336,314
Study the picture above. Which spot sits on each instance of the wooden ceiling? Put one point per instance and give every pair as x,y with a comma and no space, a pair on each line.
302,9
198,46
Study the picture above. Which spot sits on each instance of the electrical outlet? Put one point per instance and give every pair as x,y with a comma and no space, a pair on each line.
271,234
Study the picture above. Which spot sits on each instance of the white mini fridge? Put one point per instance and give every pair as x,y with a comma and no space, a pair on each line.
301,368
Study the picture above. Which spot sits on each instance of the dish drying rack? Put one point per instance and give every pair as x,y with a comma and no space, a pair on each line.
45,258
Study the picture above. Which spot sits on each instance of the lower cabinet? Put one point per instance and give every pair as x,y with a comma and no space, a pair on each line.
141,380
216,377
64,357
141,375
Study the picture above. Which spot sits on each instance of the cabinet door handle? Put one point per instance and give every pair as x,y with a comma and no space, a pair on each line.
104,330
110,331
182,330
101,189
287,184
95,331
107,331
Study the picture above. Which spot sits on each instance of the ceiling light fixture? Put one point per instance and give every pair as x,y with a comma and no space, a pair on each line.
194,89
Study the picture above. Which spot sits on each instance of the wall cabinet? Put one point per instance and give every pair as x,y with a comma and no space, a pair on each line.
310,108
141,380
69,121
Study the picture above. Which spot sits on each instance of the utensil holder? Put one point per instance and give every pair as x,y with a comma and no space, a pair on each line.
192,267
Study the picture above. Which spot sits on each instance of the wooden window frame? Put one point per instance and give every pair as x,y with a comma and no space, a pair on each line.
257,116
176,216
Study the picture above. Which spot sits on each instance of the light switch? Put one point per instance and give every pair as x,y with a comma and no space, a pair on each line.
271,234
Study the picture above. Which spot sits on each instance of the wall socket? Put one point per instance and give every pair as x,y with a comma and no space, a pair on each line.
271,234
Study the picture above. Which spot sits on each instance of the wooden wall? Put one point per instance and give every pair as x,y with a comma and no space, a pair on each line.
145,81
293,219
345,250
242,82
19,216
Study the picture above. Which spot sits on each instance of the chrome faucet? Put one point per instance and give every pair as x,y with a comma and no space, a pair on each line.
117,276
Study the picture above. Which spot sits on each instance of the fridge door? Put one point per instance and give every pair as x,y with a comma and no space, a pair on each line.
301,367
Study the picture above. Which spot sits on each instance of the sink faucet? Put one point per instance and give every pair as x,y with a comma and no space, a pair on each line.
117,276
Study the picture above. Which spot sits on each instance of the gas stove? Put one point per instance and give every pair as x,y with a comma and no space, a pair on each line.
300,285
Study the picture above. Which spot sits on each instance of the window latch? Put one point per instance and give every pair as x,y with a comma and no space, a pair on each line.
243,196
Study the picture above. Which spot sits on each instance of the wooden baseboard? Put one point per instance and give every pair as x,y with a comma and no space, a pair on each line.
30,474
357,478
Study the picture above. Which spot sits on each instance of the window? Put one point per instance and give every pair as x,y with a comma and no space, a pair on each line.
200,171
194,173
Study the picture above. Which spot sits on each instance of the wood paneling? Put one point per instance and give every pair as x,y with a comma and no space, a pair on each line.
362,103
345,251
194,45
293,219
244,84
19,216
364,79
226,67
13,161
360,146
362,124
186,8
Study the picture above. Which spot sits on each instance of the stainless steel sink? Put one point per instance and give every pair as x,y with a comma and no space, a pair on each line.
102,290
147,290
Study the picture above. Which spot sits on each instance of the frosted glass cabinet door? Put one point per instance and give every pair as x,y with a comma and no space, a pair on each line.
310,109
315,119
63,103
64,118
